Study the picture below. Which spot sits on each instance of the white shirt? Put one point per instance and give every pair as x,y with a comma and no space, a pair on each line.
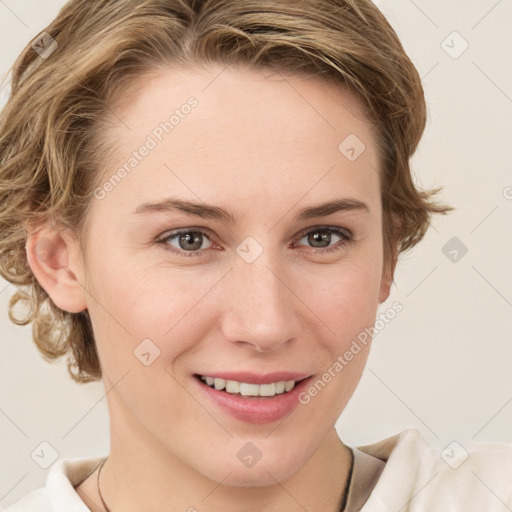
399,473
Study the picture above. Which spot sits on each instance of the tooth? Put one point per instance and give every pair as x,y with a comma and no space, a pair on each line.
289,385
219,383
249,389
246,389
232,386
268,389
280,387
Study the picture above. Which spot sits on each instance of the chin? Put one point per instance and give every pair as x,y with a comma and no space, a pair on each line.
265,472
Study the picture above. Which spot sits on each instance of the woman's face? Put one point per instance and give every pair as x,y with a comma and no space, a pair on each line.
258,283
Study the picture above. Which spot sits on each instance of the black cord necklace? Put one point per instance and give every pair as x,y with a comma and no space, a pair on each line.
343,500
99,492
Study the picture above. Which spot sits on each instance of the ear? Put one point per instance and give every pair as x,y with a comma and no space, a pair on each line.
387,279
388,270
53,259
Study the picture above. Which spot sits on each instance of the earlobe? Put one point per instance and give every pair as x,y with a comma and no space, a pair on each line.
48,254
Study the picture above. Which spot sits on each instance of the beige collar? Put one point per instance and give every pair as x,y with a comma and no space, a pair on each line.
366,473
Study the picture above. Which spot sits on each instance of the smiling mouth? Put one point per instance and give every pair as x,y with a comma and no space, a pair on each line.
247,389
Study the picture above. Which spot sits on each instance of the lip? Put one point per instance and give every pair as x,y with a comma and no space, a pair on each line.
256,410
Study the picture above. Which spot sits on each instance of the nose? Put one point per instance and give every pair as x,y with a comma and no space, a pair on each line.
259,306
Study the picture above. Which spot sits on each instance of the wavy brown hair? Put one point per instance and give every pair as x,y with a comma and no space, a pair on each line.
50,149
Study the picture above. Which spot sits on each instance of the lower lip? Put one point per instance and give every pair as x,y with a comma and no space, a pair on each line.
257,410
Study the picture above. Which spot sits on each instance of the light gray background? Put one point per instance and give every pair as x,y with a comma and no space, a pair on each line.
443,365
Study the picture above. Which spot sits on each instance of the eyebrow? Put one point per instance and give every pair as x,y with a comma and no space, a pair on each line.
207,211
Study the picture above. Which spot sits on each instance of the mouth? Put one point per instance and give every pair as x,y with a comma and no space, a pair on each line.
248,389
265,400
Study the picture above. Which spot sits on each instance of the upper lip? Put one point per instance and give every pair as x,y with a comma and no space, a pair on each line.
257,378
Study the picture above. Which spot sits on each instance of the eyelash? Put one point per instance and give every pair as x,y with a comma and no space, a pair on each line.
345,235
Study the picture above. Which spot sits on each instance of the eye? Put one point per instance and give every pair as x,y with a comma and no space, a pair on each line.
321,238
188,242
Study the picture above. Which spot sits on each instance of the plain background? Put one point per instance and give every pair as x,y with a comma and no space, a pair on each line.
443,365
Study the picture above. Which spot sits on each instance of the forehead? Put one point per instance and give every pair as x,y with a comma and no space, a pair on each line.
215,131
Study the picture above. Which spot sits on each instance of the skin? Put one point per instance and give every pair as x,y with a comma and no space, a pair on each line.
263,147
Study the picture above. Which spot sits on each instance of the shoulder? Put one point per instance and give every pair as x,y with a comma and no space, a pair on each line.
469,476
59,492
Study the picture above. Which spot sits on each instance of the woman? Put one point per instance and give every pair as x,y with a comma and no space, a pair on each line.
207,201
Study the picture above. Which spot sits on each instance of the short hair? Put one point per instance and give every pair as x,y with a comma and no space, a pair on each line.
50,152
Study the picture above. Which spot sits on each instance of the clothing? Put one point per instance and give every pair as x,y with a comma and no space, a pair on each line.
419,478
399,473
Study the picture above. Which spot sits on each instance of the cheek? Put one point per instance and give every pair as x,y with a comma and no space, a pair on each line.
347,304
134,302
344,295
